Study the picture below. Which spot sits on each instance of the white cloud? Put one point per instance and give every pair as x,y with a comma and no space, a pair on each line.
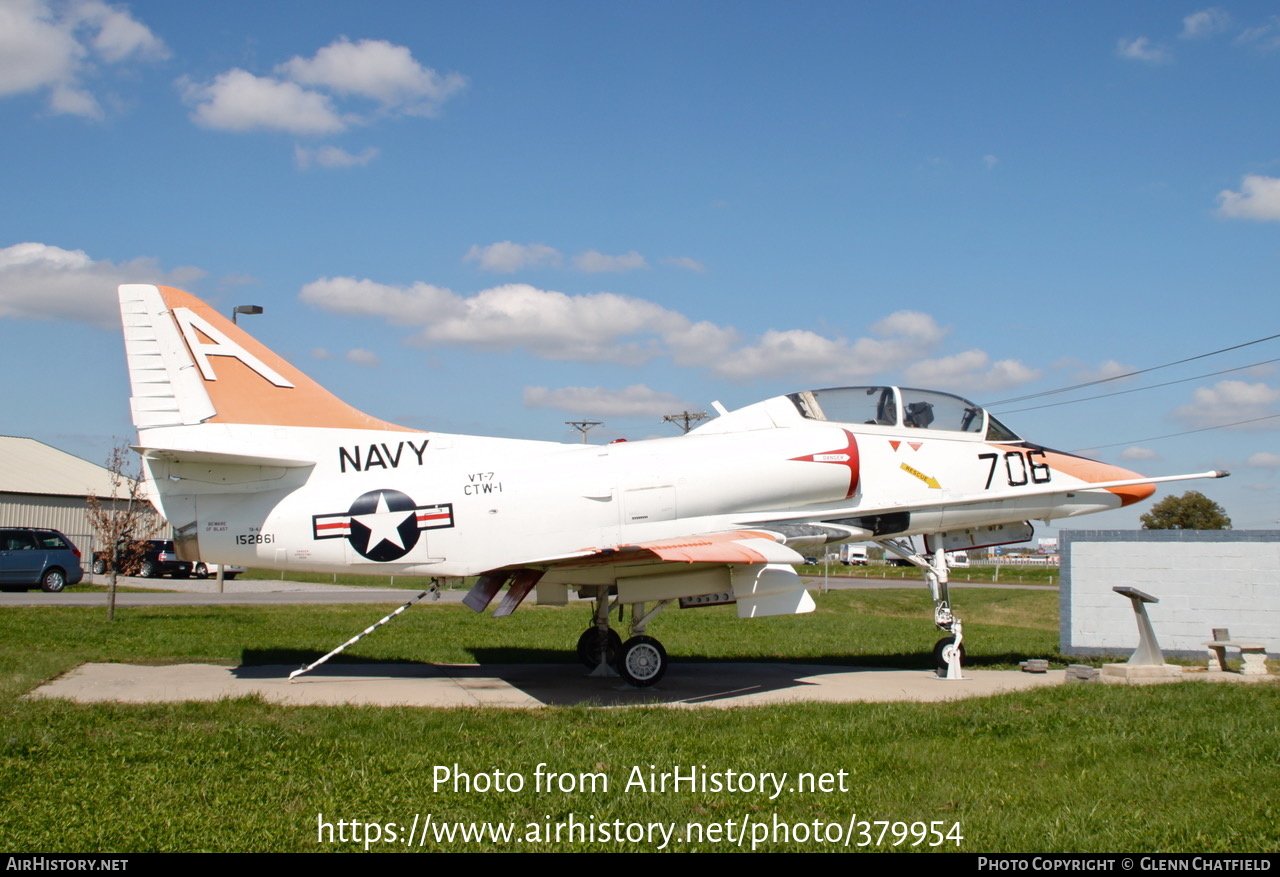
1264,460
413,305
44,282
686,263
601,326
1142,49
1229,402
634,401
35,51
68,100
911,326
597,327
377,70
360,356
594,262
1205,23
54,48
904,337
701,343
607,327
320,353
971,371
506,257
1264,36
1137,454
307,96
1106,370
990,161
1258,199
332,157
119,36
793,352
239,101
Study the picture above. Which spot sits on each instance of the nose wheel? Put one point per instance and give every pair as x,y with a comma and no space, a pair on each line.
948,656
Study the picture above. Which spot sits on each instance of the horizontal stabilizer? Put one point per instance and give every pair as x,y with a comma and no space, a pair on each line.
212,458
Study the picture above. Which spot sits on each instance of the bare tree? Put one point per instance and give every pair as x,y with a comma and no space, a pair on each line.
122,521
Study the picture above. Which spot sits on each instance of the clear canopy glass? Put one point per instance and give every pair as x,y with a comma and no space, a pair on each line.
902,407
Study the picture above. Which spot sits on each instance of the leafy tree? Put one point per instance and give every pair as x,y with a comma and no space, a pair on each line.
1191,511
121,519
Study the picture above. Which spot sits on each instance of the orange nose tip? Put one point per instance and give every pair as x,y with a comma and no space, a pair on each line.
1097,471
1134,493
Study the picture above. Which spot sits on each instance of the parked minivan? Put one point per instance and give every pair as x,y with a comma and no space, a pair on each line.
31,556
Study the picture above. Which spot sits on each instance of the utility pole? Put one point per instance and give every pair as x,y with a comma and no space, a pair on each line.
685,419
583,426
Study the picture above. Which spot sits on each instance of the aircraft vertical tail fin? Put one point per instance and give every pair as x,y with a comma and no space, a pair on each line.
189,365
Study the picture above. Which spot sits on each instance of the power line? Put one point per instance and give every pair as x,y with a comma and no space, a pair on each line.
1176,434
1140,371
1139,389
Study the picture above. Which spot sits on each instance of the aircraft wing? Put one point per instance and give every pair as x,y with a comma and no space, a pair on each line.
733,546
754,566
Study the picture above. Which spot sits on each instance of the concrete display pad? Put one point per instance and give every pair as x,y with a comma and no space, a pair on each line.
526,685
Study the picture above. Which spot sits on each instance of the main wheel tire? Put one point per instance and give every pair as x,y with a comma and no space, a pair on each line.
54,581
589,649
147,569
200,571
643,661
99,566
942,650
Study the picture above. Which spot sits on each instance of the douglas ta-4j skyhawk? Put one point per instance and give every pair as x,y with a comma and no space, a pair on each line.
253,463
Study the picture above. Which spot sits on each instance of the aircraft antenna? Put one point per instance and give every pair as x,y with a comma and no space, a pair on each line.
584,426
685,419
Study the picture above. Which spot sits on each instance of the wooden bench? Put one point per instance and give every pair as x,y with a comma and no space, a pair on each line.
1254,654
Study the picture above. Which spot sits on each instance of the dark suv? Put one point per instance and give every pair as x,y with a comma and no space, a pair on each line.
31,556
149,559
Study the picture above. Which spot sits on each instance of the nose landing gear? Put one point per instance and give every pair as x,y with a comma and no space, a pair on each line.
948,652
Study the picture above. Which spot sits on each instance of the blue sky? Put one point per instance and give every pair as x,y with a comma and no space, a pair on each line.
494,217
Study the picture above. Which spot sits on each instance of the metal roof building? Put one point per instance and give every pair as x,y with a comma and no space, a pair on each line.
41,486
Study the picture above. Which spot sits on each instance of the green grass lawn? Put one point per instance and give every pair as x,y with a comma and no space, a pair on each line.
1173,768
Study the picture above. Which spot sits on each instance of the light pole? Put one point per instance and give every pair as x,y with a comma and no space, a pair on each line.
238,309
244,309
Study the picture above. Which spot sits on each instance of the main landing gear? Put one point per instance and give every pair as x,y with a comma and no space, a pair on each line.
948,652
641,660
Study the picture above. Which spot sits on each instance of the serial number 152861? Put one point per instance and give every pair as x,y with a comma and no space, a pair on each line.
255,538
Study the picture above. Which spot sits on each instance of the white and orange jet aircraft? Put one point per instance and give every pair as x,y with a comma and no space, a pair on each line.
253,463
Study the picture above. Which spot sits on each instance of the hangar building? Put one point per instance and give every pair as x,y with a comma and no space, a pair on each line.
41,486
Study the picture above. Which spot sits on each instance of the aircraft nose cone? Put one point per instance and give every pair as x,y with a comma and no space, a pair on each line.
1128,495
1097,472
1136,493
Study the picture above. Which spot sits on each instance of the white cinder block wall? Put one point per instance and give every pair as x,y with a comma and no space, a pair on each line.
1203,579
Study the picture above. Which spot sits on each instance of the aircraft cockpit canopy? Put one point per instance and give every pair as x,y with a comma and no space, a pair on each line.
901,407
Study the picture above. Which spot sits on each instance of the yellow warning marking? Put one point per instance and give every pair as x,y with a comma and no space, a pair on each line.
927,479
